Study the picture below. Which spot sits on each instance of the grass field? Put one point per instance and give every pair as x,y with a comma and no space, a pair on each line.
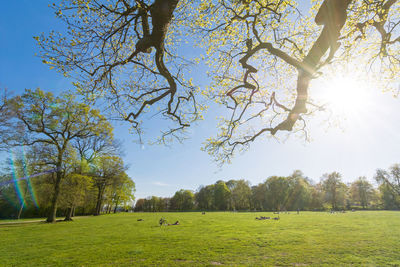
224,238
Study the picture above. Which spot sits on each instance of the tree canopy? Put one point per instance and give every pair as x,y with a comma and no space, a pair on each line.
51,124
265,56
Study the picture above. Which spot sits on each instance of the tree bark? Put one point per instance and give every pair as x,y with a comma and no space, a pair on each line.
53,208
99,200
116,206
68,216
23,203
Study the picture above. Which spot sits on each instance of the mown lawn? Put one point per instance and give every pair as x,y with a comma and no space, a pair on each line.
224,238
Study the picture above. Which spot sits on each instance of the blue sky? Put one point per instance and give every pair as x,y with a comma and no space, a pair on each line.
358,148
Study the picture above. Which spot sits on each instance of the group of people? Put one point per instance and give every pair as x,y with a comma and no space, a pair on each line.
263,218
267,218
164,222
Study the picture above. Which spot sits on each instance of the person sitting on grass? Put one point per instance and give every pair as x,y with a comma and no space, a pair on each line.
162,221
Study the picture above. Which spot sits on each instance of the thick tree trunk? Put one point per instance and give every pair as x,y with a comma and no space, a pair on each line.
53,207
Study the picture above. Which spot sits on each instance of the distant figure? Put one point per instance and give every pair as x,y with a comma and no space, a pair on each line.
139,220
204,213
162,221
263,218
353,210
176,223
276,218
298,211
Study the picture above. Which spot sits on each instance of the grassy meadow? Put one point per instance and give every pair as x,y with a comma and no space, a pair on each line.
364,238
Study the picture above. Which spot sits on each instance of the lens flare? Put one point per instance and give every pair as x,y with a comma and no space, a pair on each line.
16,181
28,180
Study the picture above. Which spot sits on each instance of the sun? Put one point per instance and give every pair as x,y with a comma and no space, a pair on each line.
345,95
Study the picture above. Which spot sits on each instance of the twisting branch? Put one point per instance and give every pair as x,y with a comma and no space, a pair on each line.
117,50
246,96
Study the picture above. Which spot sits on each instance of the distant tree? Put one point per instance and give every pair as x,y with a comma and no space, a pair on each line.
122,192
390,178
334,189
106,171
222,196
139,205
153,204
317,197
277,192
42,118
361,191
390,200
258,197
299,195
182,200
204,197
240,194
389,182
73,189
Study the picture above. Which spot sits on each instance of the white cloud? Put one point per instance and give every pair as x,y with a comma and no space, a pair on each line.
160,184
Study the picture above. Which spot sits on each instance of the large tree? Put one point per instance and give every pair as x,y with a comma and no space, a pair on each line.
334,189
54,122
265,56
182,200
389,181
390,178
107,170
222,196
204,197
362,192
240,194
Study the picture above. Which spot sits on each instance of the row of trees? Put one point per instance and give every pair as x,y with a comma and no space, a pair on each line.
62,154
278,193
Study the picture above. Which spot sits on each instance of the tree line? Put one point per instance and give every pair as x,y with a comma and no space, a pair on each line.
279,193
61,159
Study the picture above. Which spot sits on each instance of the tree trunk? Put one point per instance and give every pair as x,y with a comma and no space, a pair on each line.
53,208
69,214
23,203
20,210
73,211
99,200
116,205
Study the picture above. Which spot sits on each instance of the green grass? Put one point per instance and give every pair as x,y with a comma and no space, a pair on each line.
370,238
